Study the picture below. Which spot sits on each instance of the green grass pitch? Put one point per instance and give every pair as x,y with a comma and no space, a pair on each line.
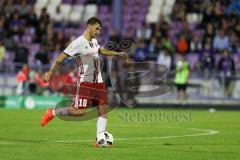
140,134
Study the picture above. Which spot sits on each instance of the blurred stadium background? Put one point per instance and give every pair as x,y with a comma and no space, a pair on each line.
34,32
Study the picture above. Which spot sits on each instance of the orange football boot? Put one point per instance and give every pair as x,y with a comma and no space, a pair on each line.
47,117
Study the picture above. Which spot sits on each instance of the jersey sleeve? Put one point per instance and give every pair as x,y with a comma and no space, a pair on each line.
73,48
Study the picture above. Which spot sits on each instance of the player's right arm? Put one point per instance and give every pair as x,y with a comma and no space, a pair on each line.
71,50
55,66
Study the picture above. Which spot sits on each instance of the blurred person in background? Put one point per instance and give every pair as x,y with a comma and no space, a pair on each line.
181,77
59,40
2,51
226,68
162,26
207,61
22,78
58,18
218,11
16,24
196,43
2,55
167,43
2,26
209,32
21,54
164,58
182,45
208,13
44,23
221,41
185,32
178,11
152,48
31,18
237,28
42,57
141,51
42,87
32,86
144,32
49,41
22,7
235,43
234,8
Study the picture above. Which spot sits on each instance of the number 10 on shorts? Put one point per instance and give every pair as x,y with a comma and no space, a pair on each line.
82,103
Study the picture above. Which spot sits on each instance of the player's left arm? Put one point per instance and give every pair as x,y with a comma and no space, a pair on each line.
107,52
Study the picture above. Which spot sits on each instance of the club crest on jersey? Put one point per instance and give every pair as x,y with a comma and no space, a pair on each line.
86,47
91,44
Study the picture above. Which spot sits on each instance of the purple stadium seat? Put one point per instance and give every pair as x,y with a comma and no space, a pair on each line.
79,1
127,10
192,59
26,39
104,8
102,16
32,1
68,31
130,3
67,1
30,31
144,2
9,56
191,26
31,61
217,58
34,48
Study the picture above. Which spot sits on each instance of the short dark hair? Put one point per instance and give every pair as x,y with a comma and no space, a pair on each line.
94,20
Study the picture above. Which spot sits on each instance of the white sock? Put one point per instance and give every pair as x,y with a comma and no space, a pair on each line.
101,124
61,111
54,112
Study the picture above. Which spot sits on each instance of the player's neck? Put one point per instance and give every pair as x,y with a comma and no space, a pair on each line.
87,36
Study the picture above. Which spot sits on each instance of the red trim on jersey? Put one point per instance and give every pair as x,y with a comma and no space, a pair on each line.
80,64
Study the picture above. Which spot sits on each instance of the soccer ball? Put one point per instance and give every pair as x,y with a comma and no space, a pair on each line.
105,139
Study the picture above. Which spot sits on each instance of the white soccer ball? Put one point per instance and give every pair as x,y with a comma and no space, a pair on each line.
105,139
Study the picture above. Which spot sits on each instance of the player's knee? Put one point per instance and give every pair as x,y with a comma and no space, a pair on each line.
102,111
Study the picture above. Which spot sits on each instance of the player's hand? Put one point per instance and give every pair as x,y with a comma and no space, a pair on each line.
46,77
122,55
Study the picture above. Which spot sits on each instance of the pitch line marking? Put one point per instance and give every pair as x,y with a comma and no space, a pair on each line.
206,133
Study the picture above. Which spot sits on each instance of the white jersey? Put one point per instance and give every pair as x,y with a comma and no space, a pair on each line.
87,58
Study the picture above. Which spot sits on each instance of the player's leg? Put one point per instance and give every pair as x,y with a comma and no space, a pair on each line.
102,119
101,102
48,116
77,108
101,122
52,112
102,108
58,111
178,91
185,96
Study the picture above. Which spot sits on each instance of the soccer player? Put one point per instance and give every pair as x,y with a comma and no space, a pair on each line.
87,48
